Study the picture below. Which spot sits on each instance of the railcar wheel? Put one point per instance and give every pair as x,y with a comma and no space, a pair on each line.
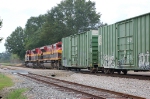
37,65
33,65
93,70
111,71
42,66
76,69
67,68
52,64
55,65
119,71
61,67
106,70
124,72
58,65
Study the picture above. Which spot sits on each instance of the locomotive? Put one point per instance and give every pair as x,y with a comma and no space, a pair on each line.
44,57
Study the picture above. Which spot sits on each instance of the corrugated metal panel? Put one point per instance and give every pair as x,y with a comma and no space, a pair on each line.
136,37
107,46
142,42
66,54
73,41
126,44
81,50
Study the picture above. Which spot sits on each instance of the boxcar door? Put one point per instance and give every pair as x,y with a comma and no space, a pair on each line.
74,51
125,43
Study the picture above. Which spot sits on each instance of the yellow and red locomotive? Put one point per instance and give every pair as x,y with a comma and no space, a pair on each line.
46,57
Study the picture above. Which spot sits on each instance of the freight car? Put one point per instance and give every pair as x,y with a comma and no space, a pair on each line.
125,45
120,47
81,51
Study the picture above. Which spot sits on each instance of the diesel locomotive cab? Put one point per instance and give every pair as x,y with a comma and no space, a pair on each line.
27,57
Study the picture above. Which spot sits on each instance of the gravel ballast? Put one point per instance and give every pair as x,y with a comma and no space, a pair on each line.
36,90
41,91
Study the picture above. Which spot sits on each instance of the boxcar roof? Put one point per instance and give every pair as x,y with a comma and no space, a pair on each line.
134,17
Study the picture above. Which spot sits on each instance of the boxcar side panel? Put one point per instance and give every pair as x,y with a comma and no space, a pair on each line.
107,46
66,51
142,42
134,43
80,50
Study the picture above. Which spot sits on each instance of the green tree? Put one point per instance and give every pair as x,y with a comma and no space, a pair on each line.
15,42
79,14
1,22
5,56
53,29
32,31
67,18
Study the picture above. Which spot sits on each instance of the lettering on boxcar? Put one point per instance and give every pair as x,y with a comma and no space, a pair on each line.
108,61
144,61
64,61
100,40
147,60
94,32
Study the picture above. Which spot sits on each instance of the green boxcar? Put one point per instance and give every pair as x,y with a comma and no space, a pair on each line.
125,45
80,50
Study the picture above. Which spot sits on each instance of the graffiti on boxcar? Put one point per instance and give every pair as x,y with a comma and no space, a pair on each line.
125,60
144,60
100,40
64,61
129,40
108,61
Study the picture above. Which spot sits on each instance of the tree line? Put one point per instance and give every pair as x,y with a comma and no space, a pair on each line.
6,57
67,18
1,22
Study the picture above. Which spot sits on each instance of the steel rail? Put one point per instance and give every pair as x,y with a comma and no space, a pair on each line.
119,95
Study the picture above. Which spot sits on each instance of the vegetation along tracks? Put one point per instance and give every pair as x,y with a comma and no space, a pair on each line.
86,91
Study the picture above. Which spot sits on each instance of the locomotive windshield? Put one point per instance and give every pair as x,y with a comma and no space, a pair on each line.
59,45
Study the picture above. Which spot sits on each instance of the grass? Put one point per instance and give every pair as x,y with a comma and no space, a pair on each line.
16,94
11,64
5,81
6,64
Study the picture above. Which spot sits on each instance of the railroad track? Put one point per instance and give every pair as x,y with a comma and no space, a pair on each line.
132,76
86,91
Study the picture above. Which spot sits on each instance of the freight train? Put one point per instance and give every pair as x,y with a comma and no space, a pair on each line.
119,47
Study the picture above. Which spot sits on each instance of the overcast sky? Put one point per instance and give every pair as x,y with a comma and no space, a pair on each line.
16,12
